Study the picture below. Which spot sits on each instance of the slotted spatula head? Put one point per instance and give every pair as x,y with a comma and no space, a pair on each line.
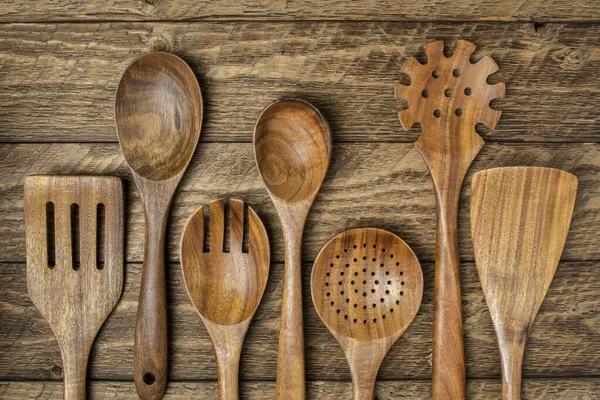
520,218
74,244
367,287
225,286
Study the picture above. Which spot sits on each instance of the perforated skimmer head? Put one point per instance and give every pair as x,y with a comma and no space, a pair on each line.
367,284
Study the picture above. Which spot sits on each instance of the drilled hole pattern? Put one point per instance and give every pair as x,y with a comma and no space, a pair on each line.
371,289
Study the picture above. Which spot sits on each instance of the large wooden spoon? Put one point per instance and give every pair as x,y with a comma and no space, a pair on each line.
448,97
292,146
520,217
158,112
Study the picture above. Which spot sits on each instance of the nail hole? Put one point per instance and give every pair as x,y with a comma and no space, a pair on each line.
354,246
437,113
50,233
149,378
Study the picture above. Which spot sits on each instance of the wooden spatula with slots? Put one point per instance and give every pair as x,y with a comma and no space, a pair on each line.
520,217
74,242
448,96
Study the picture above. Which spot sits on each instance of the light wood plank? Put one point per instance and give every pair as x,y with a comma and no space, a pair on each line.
488,389
58,80
430,10
379,184
565,339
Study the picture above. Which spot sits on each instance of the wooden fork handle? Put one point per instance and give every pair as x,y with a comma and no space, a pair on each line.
150,352
449,379
75,360
290,383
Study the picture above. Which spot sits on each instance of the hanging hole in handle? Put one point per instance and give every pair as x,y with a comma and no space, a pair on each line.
149,378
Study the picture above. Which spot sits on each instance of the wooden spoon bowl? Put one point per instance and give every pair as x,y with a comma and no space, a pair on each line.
367,287
158,114
292,146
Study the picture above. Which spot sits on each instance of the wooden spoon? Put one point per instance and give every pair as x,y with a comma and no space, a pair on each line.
225,286
74,238
520,218
158,112
448,97
292,146
367,287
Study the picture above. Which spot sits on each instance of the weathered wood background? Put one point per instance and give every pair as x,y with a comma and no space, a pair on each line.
61,60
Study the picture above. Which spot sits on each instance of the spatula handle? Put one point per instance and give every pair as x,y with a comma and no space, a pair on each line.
448,352
290,384
150,352
512,350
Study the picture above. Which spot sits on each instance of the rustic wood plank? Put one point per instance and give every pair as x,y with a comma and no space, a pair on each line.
58,80
431,10
380,184
565,340
533,389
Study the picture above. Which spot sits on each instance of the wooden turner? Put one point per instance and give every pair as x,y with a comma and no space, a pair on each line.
448,97
520,217
367,287
226,285
74,243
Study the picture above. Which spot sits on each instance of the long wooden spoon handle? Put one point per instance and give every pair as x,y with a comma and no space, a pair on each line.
448,352
511,359
290,384
150,352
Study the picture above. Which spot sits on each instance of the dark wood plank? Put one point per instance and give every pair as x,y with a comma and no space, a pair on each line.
565,340
533,389
432,10
379,184
58,80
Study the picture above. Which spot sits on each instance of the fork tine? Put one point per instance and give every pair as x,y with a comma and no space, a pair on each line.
217,224
257,237
236,224
192,241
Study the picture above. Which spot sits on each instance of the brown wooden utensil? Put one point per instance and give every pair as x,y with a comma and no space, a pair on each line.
448,97
74,243
226,286
520,218
158,113
367,286
292,146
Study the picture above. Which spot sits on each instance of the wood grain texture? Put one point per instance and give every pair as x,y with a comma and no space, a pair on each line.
520,218
348,70
225,286
430,10
379,184
74,284
158,115
564,341
367,287
292,147
485,389
448,96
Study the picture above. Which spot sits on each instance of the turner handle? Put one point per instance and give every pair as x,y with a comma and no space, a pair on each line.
150,351
449,379
290,384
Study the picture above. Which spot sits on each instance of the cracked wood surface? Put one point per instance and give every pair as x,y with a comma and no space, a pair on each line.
429,10
59,80
484,389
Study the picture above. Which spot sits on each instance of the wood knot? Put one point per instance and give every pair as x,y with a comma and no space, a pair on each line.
159,43
570,59
56,370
